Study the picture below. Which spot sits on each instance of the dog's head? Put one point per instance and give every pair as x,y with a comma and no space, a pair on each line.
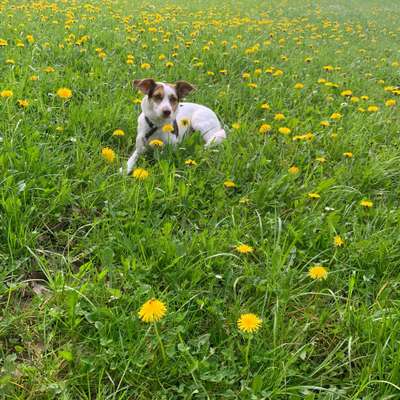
162,98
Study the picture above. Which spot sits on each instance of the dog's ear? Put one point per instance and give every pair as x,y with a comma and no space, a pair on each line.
183,88
145,85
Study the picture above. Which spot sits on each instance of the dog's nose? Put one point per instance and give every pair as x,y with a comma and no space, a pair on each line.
166,113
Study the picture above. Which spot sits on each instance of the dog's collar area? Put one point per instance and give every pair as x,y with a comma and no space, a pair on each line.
153,127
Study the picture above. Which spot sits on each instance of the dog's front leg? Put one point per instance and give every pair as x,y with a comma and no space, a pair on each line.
139,150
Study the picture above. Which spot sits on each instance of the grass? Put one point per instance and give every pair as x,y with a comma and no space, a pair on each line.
82,247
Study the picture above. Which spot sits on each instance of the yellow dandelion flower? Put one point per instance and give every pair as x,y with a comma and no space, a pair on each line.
140,173
169,64
324,123
313,195
3,43
190,163
236,125
244,249
145,66
229,184
108,154
365,98
23,103
167,128
320,159
390,103
336,116
284,130
245,75
355,99
318,272
185,122
10,61
156,143
298,86
279,117
49,70
152,311
34,78
366,203
64,93
372,109
264,128
6,93
294,170
118,132
265,106
249,323
338,241
348,154
346,93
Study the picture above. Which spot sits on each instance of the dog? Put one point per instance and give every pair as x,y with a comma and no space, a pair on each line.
165,118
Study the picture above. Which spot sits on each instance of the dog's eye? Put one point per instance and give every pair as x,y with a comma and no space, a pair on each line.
173,99
157,97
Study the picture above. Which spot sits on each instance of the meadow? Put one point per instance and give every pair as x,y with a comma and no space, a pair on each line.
273,258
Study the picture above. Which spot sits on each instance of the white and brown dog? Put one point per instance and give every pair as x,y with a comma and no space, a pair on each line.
165,118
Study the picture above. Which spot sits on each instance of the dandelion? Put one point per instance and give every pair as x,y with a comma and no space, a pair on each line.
244,249
336,116
355,99
3,43
293,170
6,93
348,154
318,272
265,106
167,128
108,154
156,143
49,70
372,109
313,195
190,163
64,93
152,311
298,86
249,323
140,174
325,124
34,78
169,64
145,66
118,132
390,103
23,103
10,61
279,117
338,241
366,203
346,93
245,75
229,184
320,159
284,130
265,128
184,122
236,126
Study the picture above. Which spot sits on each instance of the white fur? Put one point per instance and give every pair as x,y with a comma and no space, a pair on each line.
200,119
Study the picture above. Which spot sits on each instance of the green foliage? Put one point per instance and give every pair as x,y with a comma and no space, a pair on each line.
83,247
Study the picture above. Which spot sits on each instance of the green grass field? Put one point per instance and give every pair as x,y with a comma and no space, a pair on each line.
82,247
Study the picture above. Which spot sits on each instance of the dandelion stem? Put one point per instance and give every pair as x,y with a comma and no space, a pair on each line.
247,351
161,344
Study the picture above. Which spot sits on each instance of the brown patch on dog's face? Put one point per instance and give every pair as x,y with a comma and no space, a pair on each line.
173,97
157,94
